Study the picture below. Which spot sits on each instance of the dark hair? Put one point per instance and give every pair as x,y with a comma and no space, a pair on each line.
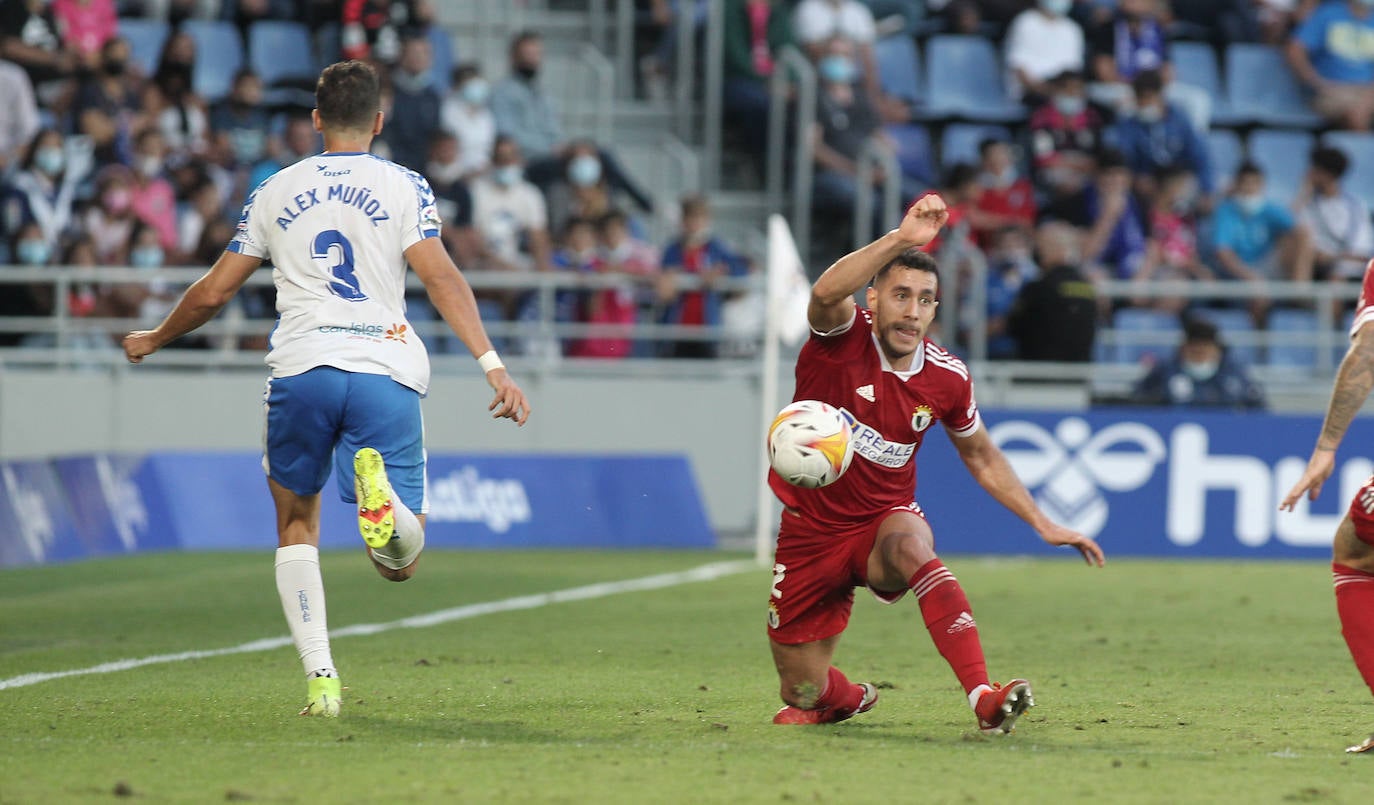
242,73
31,150
914,259
1168,173
1109,159
503,139
1248,168
694,204
960,174
1065,77
348,95
1330,160
614,215
466,70
577,221
1148,81
521,37
1198,329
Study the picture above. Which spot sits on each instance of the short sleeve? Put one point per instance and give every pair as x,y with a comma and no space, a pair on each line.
420,213
1312,33
1226,228
249,237
963,419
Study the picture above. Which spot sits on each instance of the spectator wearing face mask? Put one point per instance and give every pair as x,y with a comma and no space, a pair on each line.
1007,198
1172,250
28,249
467,113
43,190
110,220
444,171
1133,40
154,200
1158,135
1256,239
243,119
583,190
1065,131
511,219
415,105
524,112
1202,374
1041,43
107,103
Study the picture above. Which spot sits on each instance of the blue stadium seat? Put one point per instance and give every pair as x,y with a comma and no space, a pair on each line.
959,141
1129,323
146,38
441,68
1237,330
281,51
964,80
915,155
1290,338
1195,63
899,67
1283,156
1227,151
219,54
1261,87
1359,146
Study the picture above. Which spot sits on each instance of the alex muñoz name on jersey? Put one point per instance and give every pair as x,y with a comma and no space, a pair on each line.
870,444
348,195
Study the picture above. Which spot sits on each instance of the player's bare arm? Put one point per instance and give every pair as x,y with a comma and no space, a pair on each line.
832,297
201,302
989,467
452,297
1354,380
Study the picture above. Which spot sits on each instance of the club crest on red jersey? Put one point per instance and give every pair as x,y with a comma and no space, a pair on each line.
922,417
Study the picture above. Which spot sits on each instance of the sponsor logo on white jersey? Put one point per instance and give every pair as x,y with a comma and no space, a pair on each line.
865,391
870,444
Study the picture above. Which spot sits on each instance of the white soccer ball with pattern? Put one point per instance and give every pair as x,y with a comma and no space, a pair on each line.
809,444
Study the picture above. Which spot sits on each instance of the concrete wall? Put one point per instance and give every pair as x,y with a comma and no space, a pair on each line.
714,421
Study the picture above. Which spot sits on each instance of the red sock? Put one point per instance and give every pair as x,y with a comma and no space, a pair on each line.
950,621
841,698
1355,604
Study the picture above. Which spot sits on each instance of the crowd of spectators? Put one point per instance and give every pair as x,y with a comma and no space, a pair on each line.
1106,172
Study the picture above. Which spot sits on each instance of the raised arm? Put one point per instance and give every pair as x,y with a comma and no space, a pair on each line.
990,468
1353,383
452,297
205,298
832,297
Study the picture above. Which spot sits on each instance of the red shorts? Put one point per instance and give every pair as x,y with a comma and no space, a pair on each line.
815,572
1362,512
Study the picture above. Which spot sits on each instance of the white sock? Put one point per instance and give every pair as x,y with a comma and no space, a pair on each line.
302,601
408,542
976,694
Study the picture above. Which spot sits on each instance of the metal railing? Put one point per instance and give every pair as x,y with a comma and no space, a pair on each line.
792,66
875,155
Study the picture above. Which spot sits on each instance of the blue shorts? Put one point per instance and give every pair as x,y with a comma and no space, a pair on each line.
328,412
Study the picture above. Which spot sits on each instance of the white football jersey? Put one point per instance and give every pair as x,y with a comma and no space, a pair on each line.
336,227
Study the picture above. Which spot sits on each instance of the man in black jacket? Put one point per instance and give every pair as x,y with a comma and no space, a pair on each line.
1055,316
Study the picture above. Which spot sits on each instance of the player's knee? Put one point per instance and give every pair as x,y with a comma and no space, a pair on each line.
394,574
907,552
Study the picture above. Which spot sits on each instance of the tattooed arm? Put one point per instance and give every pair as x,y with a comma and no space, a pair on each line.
1353,384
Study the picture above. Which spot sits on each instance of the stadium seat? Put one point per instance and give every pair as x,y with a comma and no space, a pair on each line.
280,51
1283,157
1237,331
899,67
441,46
1130,324
964,80
1226,151
959,141
1260,87
146,38
219,54
1195,63
1359,146
1291,335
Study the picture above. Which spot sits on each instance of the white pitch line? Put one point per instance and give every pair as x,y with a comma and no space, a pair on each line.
709,572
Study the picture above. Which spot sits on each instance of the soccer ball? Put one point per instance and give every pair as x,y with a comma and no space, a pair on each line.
809,444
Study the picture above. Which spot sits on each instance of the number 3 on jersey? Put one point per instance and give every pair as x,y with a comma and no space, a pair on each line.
332,247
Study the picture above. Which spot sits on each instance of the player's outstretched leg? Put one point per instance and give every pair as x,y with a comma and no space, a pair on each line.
302,599
394,535
839,701
813,690
1352,563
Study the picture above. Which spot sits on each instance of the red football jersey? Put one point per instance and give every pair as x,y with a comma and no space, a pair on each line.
1364,310
890,411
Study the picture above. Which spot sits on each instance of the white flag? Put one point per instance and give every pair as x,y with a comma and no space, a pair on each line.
789,292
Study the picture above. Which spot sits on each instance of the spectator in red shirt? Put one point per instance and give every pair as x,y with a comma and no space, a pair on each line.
86,26
1007,198
372,29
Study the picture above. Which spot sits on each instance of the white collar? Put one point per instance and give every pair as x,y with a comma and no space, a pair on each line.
918,360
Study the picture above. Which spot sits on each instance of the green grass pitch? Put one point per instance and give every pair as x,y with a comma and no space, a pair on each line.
1155,682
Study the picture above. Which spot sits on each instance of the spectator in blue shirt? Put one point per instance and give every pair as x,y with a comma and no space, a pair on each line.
1332,53
1255,238
1202,373
1159,136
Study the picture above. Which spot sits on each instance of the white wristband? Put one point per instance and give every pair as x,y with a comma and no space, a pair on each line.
490,360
